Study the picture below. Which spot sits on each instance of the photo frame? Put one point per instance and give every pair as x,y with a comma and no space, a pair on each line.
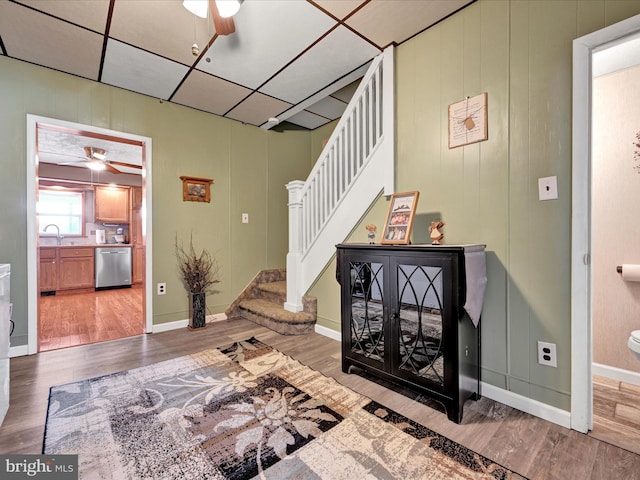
468,121
196,189
399,223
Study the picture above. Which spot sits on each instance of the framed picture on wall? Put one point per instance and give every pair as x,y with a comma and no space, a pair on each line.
468,121
196,189
397,228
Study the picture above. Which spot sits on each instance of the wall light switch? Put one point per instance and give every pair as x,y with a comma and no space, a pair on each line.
548,188
245,218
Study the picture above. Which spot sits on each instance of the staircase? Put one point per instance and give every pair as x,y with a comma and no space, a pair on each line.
357,164
262,302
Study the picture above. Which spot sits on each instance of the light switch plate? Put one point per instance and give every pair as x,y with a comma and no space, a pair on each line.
245,218
548,188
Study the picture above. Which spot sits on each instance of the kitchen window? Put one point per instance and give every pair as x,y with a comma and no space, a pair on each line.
63,208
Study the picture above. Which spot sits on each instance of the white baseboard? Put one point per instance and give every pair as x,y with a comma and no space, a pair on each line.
527,405
18,351
165,327
615,373
327,332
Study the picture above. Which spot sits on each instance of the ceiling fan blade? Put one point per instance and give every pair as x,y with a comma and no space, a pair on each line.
223,26
110,168
122,164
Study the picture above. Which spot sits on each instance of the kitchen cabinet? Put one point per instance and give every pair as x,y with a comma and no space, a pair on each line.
112,204
75,268
403,318
48,274
136,238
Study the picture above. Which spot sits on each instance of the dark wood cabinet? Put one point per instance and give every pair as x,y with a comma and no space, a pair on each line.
403,318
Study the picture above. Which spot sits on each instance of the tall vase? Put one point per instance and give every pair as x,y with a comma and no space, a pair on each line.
197,310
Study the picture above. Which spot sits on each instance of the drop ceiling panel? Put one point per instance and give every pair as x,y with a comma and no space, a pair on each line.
401,18
136,23
137,70
340,8
44,40
308,120
92,15
345,93
211,94
257,109
334,56
328,107
268,36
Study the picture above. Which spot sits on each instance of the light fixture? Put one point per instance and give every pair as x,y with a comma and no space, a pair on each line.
226,8
197,7
96,165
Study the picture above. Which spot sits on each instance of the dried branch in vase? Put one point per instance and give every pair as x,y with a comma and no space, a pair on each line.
198,272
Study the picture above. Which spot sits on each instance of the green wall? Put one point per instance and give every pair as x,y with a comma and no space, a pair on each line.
250,167
520,53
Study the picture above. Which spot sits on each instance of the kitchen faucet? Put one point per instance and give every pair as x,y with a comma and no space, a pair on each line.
58,236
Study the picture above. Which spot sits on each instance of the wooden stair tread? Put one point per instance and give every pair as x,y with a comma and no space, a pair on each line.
275,311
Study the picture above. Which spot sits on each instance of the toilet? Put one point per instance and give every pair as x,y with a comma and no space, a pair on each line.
634,343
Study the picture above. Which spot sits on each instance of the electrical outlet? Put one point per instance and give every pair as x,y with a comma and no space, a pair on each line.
162,289
245,218
548,188
547,354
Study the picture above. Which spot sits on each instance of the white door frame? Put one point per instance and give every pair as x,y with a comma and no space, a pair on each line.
581,339
32,234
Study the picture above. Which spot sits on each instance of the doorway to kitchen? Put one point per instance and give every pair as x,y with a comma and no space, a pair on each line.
92,189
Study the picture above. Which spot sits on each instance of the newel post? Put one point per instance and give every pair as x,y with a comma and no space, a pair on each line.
294,257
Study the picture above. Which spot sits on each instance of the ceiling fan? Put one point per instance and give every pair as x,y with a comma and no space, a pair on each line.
96,159
222,12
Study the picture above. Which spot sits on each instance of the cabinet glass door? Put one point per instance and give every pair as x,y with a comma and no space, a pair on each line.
419,316
366,291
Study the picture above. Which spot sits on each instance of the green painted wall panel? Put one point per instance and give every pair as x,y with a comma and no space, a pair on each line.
185,142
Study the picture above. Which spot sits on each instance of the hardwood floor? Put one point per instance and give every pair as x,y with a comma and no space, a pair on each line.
616,413
530,446
80,318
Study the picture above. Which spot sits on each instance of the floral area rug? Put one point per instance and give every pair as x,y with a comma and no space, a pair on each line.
240,412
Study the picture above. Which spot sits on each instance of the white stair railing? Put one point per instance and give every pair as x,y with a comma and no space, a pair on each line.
356,164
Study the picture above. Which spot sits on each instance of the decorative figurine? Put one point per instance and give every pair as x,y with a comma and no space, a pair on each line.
435,233
372,229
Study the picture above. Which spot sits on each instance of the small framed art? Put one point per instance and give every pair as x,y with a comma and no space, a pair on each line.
196,189
397,228
468,121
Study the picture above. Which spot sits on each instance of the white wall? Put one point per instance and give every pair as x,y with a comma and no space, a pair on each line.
615,216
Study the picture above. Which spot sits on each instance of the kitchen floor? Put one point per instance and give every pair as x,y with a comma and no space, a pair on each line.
81,318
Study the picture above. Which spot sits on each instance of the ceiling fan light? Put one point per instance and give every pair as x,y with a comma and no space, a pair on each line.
228,8
97,166
99,156
197,7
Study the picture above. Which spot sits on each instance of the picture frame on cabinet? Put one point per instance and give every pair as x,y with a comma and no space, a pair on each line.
399,223
196,189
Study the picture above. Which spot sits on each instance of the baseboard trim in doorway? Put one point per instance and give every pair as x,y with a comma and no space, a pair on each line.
165,327
18,351
616,373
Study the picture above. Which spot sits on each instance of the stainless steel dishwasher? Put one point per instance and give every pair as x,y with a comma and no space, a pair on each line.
113,267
